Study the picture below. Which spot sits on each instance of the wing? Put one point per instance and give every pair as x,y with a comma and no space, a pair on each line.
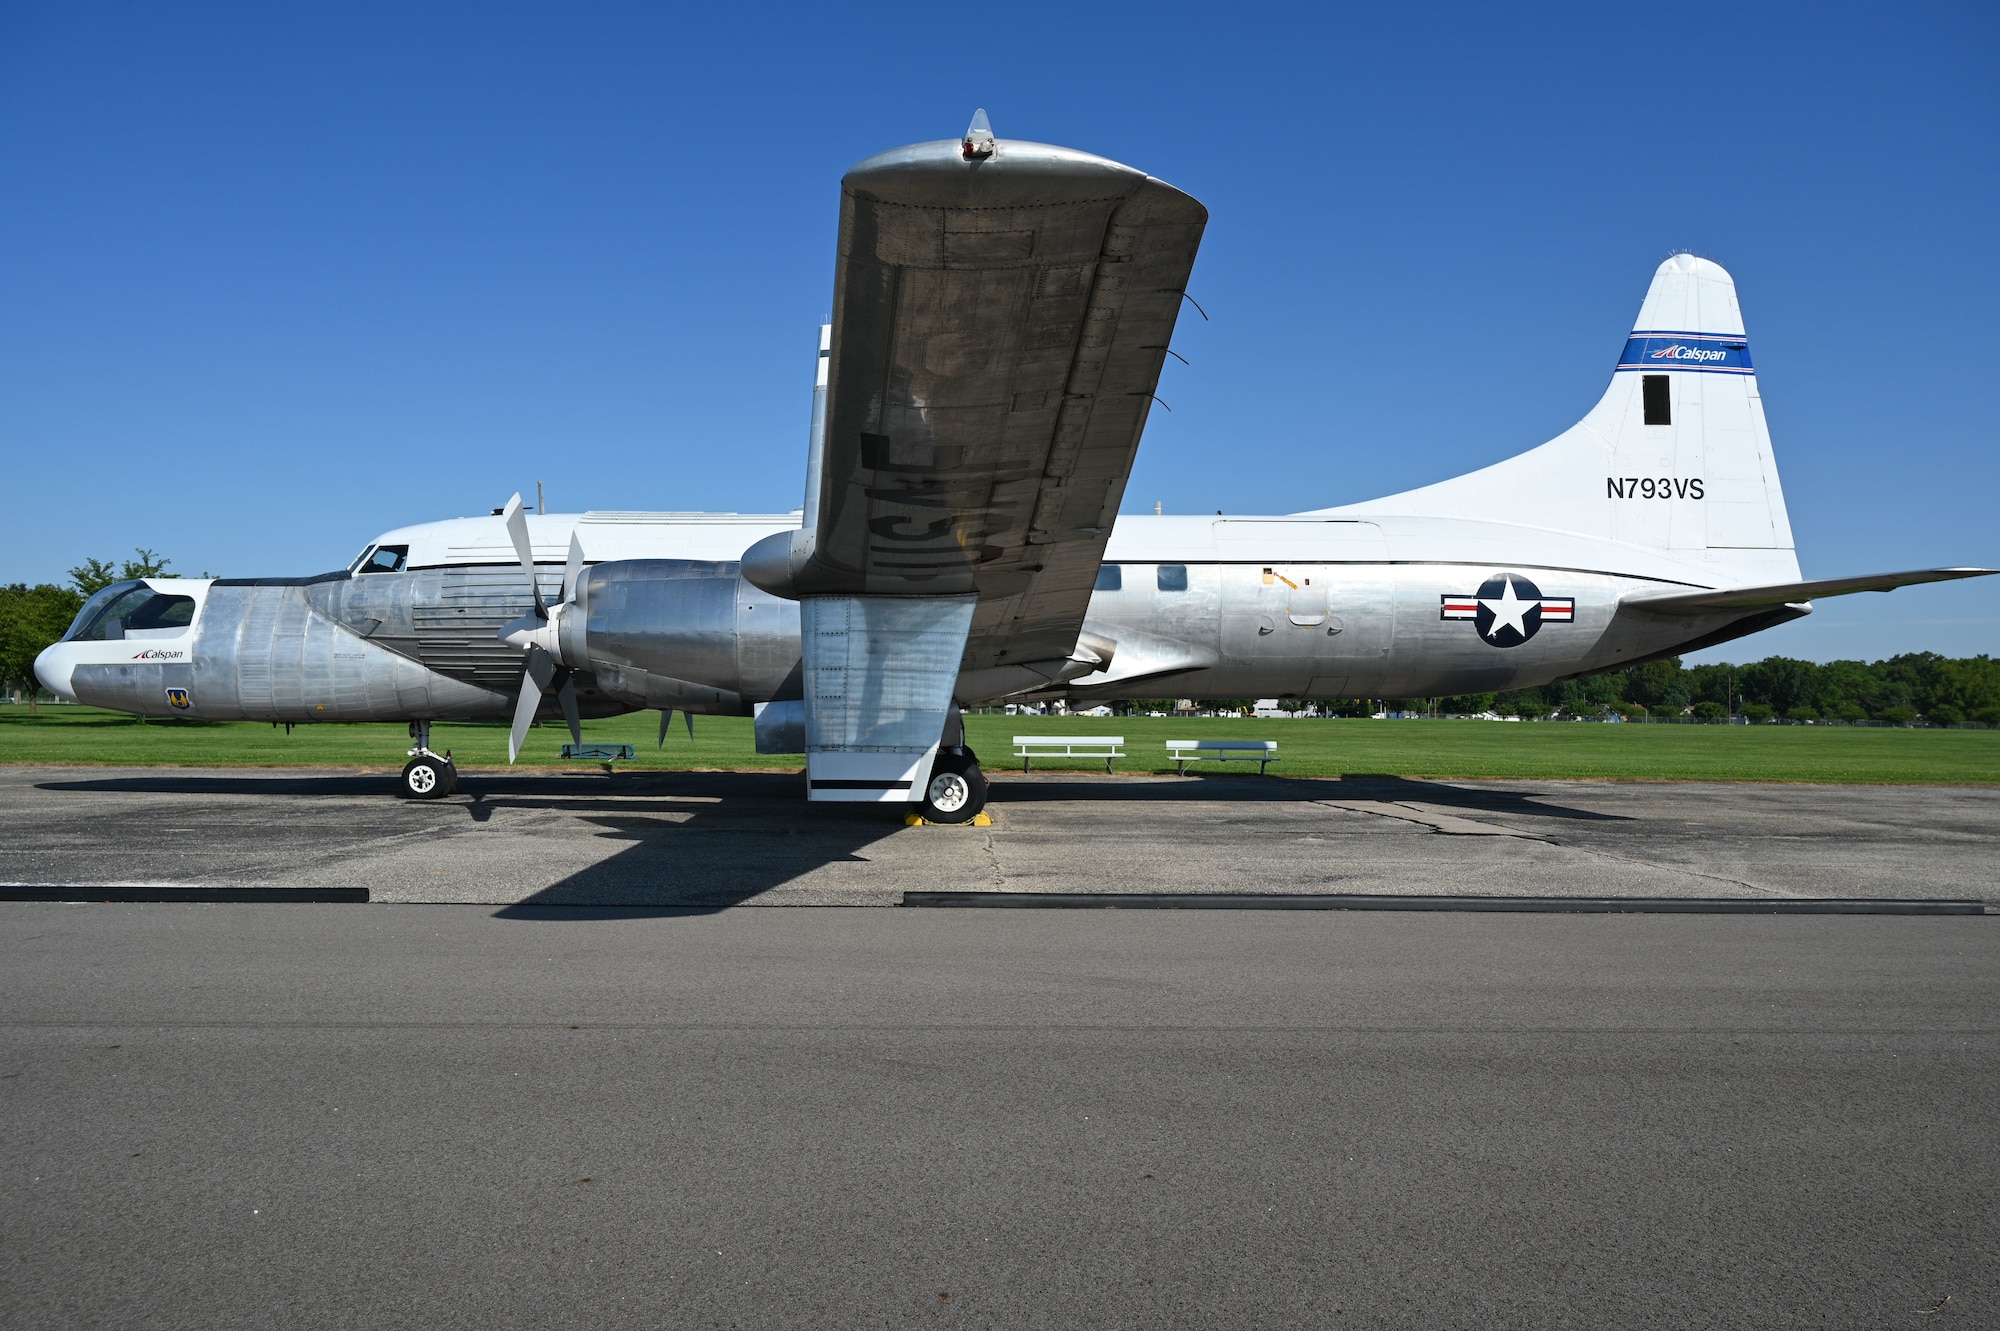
998,330
1791,593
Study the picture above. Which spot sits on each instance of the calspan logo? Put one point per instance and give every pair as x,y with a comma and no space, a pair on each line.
1697,353
179,700
1508,609
1682,352
157,654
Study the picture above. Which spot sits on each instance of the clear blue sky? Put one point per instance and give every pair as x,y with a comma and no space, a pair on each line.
274,278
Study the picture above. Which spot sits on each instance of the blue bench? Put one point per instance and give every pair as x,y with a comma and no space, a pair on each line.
600,753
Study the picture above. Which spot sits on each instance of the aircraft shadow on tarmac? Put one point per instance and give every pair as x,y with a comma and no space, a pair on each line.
760,833
479,792
380,785
700,842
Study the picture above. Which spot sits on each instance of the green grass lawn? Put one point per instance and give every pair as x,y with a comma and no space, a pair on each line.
85,736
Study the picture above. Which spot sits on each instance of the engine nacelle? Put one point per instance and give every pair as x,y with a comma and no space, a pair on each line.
683,633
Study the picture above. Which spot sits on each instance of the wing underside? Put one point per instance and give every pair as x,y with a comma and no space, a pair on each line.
999,326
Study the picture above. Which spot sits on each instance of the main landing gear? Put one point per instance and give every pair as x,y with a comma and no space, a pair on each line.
955,792
427,776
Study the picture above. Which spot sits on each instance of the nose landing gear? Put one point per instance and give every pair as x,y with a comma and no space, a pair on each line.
427,776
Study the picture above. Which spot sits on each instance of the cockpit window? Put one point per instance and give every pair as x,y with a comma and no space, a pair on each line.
384,559
125,608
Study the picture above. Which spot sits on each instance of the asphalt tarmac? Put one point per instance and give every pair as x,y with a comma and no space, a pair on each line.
723,839
438,1116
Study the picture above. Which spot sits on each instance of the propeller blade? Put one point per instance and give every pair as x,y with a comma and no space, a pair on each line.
689,718
566,695
535,680
666,720
517,527
573,571
524,714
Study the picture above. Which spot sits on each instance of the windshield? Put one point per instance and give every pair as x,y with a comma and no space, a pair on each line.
130,607
381,559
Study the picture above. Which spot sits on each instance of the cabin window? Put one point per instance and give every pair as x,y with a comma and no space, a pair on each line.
1173,577
1659,408
1110,578
386,559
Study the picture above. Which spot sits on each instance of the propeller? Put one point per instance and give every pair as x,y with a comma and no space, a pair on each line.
667,719
539,635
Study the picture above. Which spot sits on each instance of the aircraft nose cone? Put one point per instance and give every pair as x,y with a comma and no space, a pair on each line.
53,667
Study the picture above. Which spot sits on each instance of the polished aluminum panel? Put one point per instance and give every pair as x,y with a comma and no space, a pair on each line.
879,672
264,652
781,727
695,623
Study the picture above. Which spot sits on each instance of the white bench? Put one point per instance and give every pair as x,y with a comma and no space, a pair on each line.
1030,747
1263,752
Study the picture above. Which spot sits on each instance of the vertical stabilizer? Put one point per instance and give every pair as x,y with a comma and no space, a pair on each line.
1675,457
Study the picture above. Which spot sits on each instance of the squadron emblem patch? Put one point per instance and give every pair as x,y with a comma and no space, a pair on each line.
1508,610
179,700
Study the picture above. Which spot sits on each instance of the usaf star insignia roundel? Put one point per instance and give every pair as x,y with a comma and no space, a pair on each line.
1508,609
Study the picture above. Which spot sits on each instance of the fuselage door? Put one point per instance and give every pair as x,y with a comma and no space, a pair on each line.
1305,594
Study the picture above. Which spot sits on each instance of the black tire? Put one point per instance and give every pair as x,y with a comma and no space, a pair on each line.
956,790
426,778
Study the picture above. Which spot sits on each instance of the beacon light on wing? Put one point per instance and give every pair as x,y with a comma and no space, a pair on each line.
979,142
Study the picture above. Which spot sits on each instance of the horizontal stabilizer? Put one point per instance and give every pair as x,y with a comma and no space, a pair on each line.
1791,593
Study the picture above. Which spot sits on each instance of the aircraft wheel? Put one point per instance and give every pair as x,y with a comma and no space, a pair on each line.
956,791
427,778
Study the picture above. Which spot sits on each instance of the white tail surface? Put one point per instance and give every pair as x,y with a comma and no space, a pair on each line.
1675,457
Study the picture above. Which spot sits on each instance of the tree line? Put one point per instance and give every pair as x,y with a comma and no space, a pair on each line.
1916,686
1912,687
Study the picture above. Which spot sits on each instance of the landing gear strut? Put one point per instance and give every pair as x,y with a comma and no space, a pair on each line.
427,776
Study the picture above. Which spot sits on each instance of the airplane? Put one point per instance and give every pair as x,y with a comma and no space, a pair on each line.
1002,311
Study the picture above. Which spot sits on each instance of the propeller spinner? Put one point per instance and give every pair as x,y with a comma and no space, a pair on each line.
539,635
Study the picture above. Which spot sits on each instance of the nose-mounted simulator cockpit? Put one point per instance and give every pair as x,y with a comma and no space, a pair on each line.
131,609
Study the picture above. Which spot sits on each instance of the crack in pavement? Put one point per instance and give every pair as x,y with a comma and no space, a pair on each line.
1754,888
1451,825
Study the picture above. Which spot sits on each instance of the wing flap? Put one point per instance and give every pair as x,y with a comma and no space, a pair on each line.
1790,593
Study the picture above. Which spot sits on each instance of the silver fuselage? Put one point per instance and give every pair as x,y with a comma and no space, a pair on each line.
1251,613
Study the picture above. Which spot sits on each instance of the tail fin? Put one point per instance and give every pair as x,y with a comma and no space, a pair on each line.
1675,457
